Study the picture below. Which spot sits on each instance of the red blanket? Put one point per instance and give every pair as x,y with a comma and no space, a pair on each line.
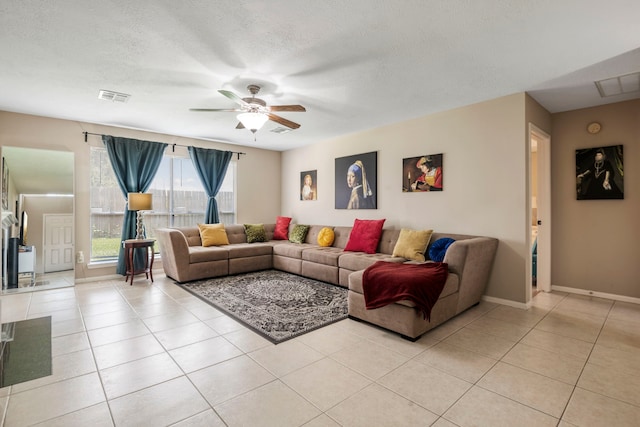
386,282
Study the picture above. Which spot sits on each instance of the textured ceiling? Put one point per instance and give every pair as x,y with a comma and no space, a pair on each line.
354,65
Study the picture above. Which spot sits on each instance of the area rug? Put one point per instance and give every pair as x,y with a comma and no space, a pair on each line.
277,305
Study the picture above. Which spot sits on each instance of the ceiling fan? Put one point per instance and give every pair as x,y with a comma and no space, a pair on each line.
254,112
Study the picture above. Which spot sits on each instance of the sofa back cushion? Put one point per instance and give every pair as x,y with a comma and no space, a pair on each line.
342,236
388,240
192,234
312,234
236,234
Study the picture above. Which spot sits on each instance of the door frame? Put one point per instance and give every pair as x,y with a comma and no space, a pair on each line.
543,201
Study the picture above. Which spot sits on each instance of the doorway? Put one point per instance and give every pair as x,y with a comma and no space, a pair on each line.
539,237
58,242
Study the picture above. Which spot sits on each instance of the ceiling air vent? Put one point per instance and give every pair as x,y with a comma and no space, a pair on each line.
109,95
627,83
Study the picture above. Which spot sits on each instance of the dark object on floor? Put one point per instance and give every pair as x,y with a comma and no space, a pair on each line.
26,351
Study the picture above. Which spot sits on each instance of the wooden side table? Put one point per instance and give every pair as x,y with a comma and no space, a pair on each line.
130,246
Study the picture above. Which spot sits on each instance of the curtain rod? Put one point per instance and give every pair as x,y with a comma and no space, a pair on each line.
86,134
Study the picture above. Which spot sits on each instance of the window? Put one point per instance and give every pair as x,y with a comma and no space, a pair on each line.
178,201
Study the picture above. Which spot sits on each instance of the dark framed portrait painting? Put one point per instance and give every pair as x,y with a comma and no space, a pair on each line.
422,173
356,181
600,173
308,186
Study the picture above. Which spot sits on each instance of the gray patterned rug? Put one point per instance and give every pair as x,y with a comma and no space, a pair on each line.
275,304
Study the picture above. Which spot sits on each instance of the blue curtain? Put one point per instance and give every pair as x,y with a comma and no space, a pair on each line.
135,163
211,166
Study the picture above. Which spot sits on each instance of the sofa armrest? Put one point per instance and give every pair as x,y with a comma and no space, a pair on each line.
174,251
471,259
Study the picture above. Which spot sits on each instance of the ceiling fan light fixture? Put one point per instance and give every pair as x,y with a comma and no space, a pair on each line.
253,121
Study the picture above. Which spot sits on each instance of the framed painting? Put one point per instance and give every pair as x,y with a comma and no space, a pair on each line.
356,181
308,186
600,173
422,173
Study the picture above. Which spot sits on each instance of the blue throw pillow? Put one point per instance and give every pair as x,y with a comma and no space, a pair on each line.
439,248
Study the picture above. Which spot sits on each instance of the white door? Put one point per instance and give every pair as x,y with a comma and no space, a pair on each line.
543,207
58,242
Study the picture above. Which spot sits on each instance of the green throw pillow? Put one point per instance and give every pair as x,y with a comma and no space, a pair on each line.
255,233
299,233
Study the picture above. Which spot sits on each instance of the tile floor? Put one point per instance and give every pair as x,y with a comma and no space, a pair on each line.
155,355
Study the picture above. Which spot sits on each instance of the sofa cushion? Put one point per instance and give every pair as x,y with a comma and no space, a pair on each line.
242,250
355,261
439,248
199,254
299,233
412,244
326,237
213,235
323,255
255,233
291,250
281,231
365,235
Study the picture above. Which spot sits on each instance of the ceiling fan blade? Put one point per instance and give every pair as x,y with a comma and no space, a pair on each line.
235,98
240,126
212,109
283,121
287,108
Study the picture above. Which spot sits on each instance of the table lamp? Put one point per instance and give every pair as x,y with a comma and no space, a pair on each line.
140,202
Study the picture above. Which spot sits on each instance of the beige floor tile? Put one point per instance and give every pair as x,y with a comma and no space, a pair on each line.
536,391
625,311
110,334
126,351
427,386
162,404
457,361
53,295
63,367
66,327
518,316
273,404
325,383
170,321
395,342
447,329
48,306
133,376
247,340
593,306
204,311
58,315
94,416
107,307
594,410
168,306
377,406
284,358
207,418
611,381
321,421
500,328
185,335
548,300
69,343
442,422
229,379
370,359
480,342
558,344
620,334
224,324
54,400
204,353
557,366
109,319
329,339
573,324
626,360
479,407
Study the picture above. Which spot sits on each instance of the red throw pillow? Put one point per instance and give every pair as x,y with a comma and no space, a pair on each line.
365,236
281,231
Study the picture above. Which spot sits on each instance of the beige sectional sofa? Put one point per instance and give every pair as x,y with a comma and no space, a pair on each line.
469,260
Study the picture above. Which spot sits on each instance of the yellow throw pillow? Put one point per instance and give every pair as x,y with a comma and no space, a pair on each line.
326,237
412,244
213,234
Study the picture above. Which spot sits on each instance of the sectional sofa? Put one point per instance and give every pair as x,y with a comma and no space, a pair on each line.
469,260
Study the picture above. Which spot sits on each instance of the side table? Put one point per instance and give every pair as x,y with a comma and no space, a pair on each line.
130,246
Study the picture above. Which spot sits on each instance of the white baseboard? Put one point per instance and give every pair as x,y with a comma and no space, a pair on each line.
596,294
510,303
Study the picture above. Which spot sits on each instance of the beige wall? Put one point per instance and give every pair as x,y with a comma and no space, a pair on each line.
258,172
485,148
594,242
